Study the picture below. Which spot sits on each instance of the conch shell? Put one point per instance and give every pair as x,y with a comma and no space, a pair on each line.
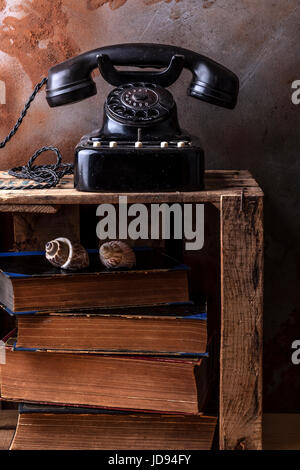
117,254
64,254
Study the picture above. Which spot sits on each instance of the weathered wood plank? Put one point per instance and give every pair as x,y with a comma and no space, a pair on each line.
29,208
241,323
216,183
70,196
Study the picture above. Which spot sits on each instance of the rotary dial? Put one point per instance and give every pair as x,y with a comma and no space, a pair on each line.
139,98
139,102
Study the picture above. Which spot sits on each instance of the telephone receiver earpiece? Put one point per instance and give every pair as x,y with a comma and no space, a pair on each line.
71,80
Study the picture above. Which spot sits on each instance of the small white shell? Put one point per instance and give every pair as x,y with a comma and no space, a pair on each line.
117,254
64,254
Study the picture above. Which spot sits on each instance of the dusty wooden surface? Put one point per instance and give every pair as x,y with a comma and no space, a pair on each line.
241,323
217,182
31,208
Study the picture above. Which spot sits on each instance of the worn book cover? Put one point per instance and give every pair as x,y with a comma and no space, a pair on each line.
29,283
165,330
146,383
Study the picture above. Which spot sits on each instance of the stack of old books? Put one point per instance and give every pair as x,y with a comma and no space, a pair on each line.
105,359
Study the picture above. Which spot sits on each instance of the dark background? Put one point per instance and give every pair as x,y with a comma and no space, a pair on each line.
259,40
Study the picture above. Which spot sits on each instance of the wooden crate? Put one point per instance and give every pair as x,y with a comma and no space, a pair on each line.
38,215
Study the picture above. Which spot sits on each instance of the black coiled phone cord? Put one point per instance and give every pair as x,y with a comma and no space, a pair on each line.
48,176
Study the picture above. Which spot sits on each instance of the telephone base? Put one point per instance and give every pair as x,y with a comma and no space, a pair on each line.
138,170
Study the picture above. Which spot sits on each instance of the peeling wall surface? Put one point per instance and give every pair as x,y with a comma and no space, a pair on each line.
259,40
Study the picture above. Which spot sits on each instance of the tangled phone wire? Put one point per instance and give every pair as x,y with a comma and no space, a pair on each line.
47,176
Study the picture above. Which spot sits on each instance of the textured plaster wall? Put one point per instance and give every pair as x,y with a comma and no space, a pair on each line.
259,40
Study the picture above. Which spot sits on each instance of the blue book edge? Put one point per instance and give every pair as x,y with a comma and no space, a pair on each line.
179,267
197,316
172,354
30,408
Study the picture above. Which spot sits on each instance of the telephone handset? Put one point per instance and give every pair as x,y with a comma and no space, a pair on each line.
140,146
71,80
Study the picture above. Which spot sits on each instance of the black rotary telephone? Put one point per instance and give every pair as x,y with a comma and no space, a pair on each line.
140,146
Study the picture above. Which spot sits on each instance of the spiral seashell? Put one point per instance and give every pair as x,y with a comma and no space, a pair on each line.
64,254
117,254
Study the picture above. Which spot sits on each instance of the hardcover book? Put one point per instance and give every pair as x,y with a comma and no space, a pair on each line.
165,330
61,428
29,283
122,382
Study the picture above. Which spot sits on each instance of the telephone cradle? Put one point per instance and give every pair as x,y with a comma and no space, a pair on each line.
140,146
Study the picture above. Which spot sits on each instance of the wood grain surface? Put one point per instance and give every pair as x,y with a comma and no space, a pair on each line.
241,323
217,182
29,208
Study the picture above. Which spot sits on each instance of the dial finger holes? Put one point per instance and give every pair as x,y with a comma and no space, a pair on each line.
113,100
116,92
120,110
129,113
